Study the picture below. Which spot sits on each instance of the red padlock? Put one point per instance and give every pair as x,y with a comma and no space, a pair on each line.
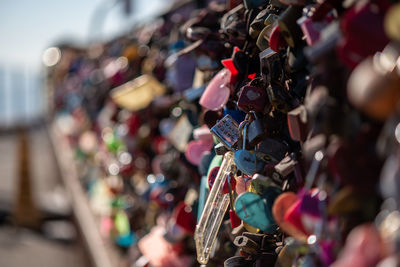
252,98
361,25
276,40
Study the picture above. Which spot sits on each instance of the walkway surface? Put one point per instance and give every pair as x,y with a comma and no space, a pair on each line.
56,242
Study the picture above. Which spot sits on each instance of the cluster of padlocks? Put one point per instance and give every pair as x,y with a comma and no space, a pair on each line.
254,133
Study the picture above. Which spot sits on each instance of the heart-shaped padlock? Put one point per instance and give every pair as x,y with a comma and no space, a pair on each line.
256,210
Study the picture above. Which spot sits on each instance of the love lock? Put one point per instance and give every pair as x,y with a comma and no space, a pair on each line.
278,97
256,130
256,210
252,98
246,160
271,150
226,131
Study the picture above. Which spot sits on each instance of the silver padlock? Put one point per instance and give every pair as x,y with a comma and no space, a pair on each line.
255,130
286,166
227,132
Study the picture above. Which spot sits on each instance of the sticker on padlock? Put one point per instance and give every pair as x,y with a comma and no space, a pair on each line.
227,132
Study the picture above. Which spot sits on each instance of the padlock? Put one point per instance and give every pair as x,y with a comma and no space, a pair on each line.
276,40
297,123
271,150
266,259
391,22
252,98
365,18
256,210
271,66
311,29
374,85
260,183
322,9
247,245
364,246
256,131
227,132
286,165
234,26
240,61
296,60
217,91
245,160
220,149
279,97
263,40
237,261
250,4
282,205
235,220
257,24
288,25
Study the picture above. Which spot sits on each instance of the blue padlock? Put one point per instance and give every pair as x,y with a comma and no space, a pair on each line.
236,114
256,210
245,160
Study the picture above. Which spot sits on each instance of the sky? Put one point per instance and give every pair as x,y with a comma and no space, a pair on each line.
28,27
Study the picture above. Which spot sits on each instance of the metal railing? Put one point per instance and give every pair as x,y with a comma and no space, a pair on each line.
23,99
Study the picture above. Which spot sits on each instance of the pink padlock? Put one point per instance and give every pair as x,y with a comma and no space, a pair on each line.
217,92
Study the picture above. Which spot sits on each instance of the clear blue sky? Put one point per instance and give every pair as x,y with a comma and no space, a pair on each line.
27,27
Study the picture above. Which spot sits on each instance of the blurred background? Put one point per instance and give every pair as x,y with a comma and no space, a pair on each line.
29,28
37,227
